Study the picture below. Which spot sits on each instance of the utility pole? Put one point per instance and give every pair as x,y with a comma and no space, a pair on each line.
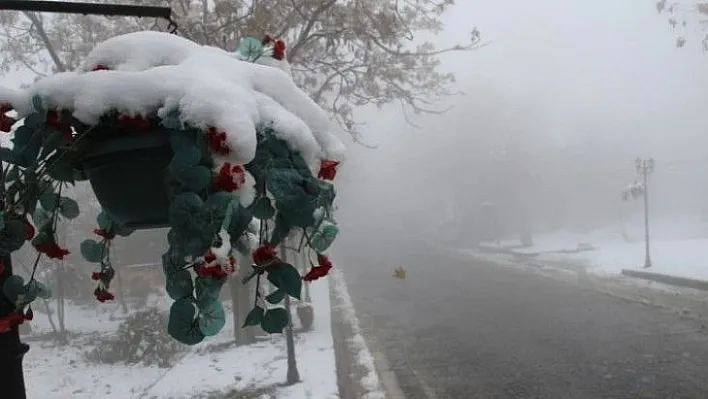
293,375
645,167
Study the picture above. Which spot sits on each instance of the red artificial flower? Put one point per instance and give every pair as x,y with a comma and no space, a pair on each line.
328,169
215,272
29,235
52,250
100,67
6,123
230,177
10,321
279,50
264,255
217,141
137,123
267,40
96,276
319,271
103,295
108,235
5,107
54,121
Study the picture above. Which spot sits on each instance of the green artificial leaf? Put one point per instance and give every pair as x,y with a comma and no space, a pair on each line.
27,147
62,166
172,120
275,297
287,278
92,251
40,217
179,285
13,236
184,212
280,231
207,290
285,185
12,174
183,159
49,200
196,178
34,121
14,288
254,317
326,195
52,143
68,208
45,236
322,239
8,155
35,289
262,208
212,318
124,231
104,221
180,140
274,321
240,220
250,49
181,324
32,192
2,220
170,263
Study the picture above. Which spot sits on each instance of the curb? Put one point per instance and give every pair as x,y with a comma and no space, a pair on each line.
360,374
666,279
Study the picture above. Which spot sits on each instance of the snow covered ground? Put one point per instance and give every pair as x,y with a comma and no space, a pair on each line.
678,248
212,368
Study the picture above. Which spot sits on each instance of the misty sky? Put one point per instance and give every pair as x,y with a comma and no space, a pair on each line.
602,72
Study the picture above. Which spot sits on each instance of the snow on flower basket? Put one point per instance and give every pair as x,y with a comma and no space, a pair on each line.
229,154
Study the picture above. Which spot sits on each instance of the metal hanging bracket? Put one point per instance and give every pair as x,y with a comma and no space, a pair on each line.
69,7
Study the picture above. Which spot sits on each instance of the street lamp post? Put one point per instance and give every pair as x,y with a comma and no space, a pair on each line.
645,167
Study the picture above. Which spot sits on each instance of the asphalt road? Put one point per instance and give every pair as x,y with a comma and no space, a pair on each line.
461,328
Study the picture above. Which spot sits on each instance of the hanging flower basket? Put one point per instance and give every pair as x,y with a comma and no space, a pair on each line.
127,171
229,155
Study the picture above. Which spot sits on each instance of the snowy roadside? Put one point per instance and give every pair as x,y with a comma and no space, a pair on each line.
606,253
358,374
212,369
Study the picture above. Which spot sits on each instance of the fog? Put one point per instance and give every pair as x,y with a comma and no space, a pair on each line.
556,109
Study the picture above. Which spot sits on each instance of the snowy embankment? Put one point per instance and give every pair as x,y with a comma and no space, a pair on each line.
211,368
678,248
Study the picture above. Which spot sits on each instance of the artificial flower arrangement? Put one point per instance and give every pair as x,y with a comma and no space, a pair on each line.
227,153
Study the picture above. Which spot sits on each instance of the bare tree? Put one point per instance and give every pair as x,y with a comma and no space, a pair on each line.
345,53
684,14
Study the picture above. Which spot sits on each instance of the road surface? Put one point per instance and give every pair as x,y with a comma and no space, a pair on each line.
464,328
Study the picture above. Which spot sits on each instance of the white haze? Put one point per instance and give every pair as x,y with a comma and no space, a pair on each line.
557,107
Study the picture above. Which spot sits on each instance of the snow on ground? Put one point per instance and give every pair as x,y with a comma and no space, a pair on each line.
678,248
52,370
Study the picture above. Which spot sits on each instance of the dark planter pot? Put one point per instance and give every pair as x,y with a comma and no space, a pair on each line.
306,315
127,171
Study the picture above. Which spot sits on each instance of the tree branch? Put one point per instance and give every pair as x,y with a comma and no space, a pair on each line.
61,67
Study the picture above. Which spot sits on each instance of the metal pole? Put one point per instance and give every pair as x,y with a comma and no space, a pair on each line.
647,252
12,351
293,375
